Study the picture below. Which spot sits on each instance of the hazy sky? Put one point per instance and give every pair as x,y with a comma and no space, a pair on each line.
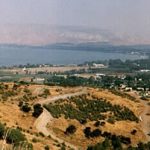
128,20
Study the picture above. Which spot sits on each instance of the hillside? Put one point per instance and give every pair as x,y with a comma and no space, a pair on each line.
58,117
118,116
13,115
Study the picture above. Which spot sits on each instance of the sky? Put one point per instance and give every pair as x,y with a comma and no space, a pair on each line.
51,21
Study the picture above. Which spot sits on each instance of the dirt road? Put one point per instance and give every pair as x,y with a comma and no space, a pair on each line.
46,117
55,98
145,119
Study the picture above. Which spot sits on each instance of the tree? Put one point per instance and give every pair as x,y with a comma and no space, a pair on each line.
26,108
95,133
46,147
38,109
15,136
70,130
105,145
116,143
2,130
87,132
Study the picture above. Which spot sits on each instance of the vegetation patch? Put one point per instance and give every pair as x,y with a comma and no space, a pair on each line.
15,137
80,108
116,144
123,95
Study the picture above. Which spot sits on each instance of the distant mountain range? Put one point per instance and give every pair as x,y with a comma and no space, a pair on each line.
35,34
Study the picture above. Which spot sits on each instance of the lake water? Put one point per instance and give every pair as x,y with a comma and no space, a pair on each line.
15,56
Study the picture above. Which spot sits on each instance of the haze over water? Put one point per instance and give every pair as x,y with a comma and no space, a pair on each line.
33,22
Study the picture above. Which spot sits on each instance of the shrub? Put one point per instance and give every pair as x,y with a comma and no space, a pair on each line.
46,92
102,123
133,132
46,147
41,134
97,124
83,121
27,91
34,140
111,120
144,98
20,104
15,87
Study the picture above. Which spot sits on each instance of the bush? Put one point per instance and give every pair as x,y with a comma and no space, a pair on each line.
46,92
133,132
46,147
111,120
83,121
27,91
102,123
144,98
20,104
41,134
34,140
97,124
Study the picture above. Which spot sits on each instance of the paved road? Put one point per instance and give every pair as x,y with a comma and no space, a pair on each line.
46,117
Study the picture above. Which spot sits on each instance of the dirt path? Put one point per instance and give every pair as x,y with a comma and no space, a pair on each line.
145,119
55,98
42,122
46,117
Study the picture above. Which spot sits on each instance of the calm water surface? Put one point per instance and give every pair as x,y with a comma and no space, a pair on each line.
16,56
